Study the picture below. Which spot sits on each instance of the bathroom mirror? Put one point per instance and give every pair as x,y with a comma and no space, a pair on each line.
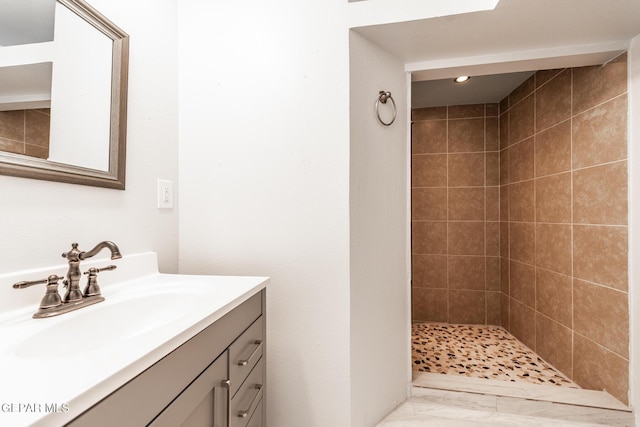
86,56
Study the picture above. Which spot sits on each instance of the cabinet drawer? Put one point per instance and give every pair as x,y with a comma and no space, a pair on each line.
249,396
257,417
244,353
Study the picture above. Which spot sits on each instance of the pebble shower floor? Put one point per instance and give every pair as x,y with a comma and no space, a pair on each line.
479,351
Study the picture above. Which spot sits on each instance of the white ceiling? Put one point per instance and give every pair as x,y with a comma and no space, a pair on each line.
545,33
477,90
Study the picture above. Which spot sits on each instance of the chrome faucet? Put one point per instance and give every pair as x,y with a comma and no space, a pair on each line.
52,304
74,256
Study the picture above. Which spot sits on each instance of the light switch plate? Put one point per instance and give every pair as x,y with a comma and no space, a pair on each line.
165,194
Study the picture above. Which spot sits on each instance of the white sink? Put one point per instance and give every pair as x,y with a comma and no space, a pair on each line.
107,323
89,352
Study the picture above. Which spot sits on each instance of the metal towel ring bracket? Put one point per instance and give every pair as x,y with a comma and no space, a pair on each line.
382,98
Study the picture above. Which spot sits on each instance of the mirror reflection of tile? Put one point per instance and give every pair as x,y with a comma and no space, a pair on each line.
25,132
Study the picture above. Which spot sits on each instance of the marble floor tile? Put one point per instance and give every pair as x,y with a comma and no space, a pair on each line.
412,413
522,390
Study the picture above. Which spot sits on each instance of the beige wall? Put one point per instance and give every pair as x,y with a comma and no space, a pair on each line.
563,228
455,216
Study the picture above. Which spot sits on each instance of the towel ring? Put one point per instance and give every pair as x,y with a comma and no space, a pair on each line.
383,97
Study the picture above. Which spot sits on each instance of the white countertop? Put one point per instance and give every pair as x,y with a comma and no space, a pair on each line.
69,362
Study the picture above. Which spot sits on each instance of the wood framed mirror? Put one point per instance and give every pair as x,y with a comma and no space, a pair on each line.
88,99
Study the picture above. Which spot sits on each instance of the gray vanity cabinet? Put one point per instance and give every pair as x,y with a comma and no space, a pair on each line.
202,403
217,378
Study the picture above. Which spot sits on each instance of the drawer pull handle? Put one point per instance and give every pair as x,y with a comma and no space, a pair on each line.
227,384
244,362
243,414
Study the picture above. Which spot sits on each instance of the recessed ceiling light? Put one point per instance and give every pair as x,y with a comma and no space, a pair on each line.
461,79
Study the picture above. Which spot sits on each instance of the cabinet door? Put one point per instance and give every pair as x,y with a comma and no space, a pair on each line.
203,403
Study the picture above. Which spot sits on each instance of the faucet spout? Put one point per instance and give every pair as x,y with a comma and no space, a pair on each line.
74,256
115,251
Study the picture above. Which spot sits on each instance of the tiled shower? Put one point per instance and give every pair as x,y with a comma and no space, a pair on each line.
519,219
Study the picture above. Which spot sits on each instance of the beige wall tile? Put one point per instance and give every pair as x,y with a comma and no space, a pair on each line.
492,239
505,285
525,89
492,168
429,113
504,166
553,101
553,198
428,237
466,238
588,371
429,137
466,204
466,170
554,296
521,161
553,150
553,247
522,321
429,170
522,241
503,124
601,255
523,283
466,135
492,200
469,195
12,125
467,307
492,134
504,239
596,84
503,105
494,315
429,305
11,146
465,111
429,204
522,202
37,128
493,275
544,76
36,151
504,203
600,194
600,134
554,344
429,271
521,118
467,272
505,311
602,315
25,132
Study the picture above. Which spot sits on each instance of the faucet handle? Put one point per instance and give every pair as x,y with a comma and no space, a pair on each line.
53,279
73,254
51,297
92,287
